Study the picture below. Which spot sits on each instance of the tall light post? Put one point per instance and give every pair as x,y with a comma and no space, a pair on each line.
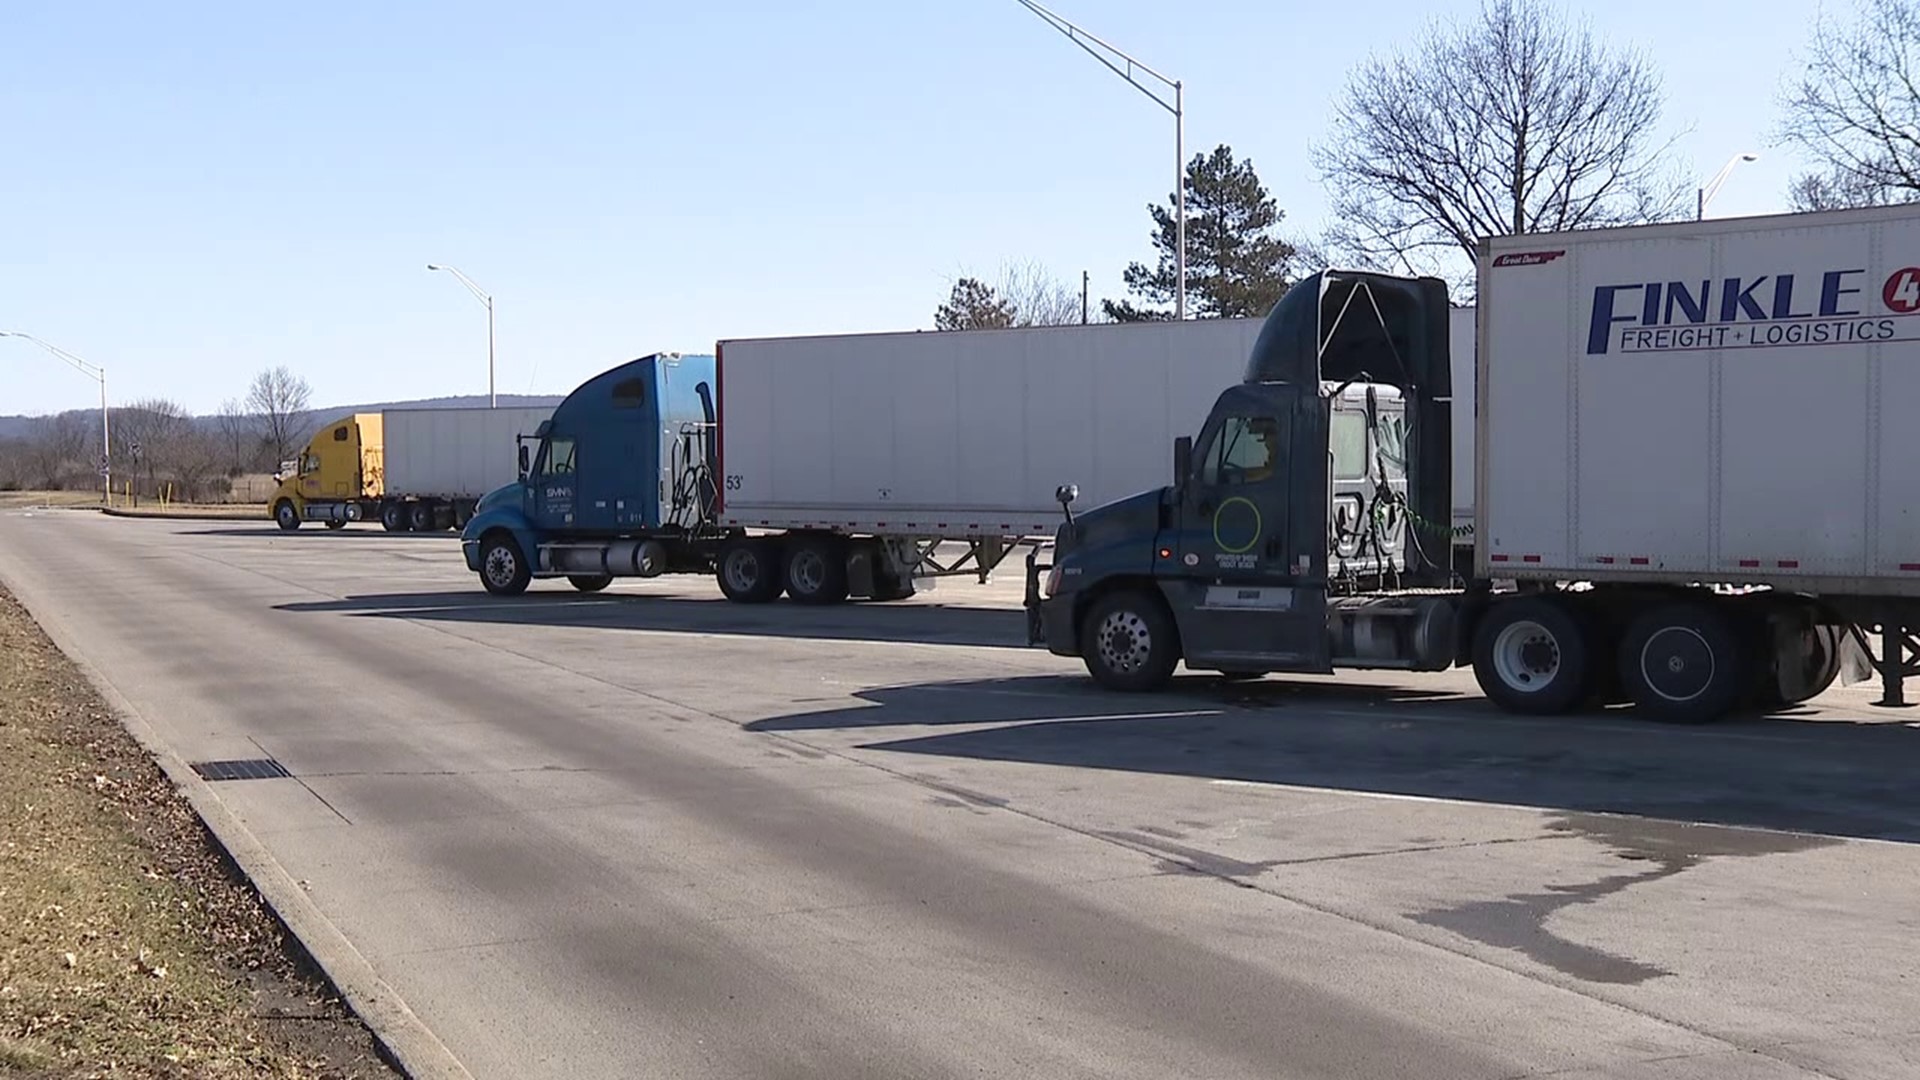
493,401
98,372
1713,186
1107,55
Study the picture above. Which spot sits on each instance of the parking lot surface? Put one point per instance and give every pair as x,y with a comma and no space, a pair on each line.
649,833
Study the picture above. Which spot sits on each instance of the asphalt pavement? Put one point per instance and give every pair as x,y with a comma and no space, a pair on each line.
649,833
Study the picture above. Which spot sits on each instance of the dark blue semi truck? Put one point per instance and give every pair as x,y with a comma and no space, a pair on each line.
1306,526
624,481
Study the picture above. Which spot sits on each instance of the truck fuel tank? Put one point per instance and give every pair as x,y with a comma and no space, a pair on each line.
1409,631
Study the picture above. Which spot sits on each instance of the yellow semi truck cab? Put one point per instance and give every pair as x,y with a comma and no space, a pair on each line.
337,478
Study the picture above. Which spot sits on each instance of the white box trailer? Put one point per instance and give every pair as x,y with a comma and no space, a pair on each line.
1692,435
1719,400
455,454
966,435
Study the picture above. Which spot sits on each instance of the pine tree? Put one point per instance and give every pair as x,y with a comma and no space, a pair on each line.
1236,265
973,305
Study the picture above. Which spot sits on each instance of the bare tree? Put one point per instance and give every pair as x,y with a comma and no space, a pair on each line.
1857,109
1516,122
1038,298
57,451
150,433
278,402
13,464
193,461
238,440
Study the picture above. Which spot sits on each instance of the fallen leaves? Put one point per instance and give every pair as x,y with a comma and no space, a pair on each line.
128,945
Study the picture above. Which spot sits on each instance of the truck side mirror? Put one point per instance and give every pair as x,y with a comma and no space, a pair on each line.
525,461
1182,459
1064,495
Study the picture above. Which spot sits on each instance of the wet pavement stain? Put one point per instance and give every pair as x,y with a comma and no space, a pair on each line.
1518,922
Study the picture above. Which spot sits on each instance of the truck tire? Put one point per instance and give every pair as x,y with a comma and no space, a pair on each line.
1129,642
816,570
1813,657
285,516
503,567
420,517
336,523
749,570
1684,664
1533,656
590,582
393,517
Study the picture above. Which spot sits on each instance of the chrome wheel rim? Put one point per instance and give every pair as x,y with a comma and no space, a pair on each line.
1124,641
501,565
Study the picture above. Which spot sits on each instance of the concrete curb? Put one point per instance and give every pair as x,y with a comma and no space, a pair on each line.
167,515
403,1037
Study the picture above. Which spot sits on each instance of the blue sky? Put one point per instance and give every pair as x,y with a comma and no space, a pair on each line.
194,191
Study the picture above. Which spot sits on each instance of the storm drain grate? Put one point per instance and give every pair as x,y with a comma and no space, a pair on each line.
248,769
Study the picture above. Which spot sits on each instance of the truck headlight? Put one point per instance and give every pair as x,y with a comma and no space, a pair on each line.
1053,580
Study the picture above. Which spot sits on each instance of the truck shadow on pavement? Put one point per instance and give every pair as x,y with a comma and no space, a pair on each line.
917,623
1823,777
311,530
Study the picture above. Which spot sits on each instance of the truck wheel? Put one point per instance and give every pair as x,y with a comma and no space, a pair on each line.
749,571
1808,660
1129,642
503,569
285,516
1532,656
1683,664
816,570
393,517
336,523
590,582
420,516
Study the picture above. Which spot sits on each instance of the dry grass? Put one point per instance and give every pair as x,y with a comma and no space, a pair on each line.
128,947
16,499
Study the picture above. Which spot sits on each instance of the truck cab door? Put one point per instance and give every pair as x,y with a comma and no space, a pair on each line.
550,485
1245,526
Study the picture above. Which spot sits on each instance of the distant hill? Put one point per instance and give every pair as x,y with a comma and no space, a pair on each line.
21,426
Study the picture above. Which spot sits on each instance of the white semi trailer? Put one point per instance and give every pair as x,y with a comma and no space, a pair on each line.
943,442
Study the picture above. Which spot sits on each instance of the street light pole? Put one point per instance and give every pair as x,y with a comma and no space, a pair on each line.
100,373
1713,186
493,400
1107,55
